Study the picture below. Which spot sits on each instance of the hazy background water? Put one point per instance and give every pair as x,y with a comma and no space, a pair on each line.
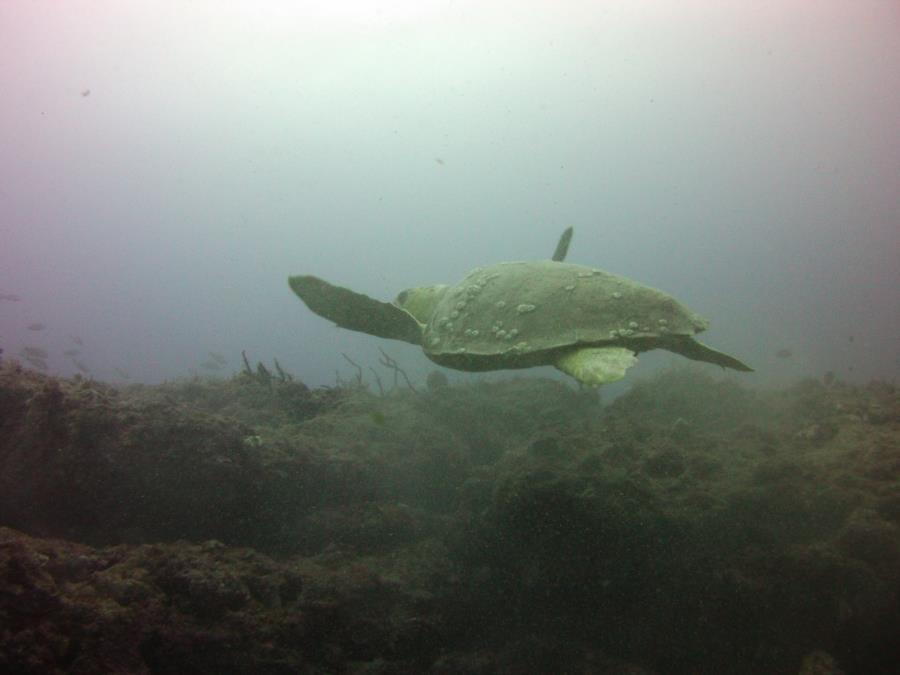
164,166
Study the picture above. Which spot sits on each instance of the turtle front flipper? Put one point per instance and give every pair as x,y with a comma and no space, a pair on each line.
355,311
696,350
596,365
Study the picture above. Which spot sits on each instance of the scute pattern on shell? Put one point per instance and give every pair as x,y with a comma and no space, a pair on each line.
517,308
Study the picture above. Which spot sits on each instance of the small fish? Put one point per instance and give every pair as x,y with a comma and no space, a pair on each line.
218,358
784,353
35,352
11,297
36,326
86,92
40,364
83,368
849,338
439,161
72,352
76,340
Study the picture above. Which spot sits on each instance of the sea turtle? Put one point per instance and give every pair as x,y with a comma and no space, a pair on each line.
588,323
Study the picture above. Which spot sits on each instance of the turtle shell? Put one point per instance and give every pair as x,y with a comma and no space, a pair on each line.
521,314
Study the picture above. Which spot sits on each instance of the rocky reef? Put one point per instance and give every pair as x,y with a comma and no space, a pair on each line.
254,525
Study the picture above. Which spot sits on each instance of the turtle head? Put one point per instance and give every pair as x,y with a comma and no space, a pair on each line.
420,301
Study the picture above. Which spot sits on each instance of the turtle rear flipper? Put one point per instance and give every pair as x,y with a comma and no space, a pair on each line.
562,246
696,350
356,311
596,365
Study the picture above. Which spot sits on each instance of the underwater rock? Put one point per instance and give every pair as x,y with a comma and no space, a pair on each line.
509,526
70,608
668,463
546,446
869,538
681,429
818,433
36,362
820,663
35,352
436,380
